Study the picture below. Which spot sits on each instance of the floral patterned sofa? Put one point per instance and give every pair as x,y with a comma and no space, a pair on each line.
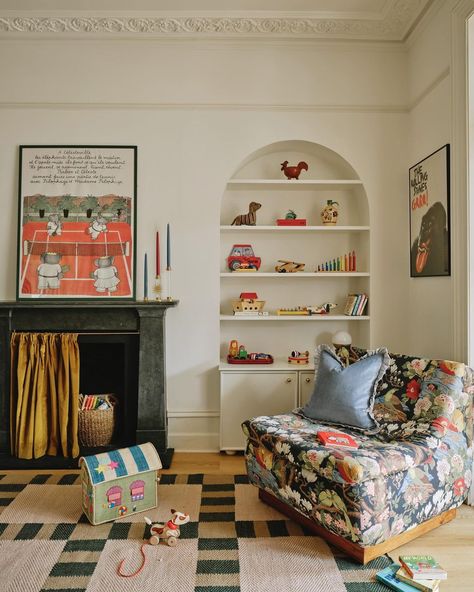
406,479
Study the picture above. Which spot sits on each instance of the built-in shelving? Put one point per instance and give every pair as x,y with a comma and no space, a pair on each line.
279,364
265,389
293,184
246,229
296,275
301,318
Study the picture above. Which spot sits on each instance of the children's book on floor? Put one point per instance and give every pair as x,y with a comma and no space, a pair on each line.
423,585
423,567
388,577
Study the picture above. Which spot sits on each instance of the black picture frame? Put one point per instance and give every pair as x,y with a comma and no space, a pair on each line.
77,220
429,204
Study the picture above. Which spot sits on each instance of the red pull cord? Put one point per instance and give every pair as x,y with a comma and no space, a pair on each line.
124,575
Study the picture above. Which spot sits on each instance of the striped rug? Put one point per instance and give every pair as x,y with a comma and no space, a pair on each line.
233,543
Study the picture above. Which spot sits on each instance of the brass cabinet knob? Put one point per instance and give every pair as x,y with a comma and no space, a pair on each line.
288,379
308,379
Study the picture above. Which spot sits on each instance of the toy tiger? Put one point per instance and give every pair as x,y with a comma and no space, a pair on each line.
249,219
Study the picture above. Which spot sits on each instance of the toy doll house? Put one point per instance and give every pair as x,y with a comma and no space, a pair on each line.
119,482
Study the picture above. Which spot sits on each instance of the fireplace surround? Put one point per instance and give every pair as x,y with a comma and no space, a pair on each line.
137,329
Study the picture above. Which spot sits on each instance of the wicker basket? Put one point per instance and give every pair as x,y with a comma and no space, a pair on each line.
96,426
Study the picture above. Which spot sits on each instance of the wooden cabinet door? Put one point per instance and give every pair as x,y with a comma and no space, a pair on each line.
248,394
306,387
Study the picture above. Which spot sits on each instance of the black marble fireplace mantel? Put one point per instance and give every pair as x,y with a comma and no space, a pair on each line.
145,319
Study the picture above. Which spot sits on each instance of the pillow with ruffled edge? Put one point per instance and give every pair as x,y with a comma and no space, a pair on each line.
344,396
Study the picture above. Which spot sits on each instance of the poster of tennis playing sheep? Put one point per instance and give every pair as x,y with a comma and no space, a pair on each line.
77,220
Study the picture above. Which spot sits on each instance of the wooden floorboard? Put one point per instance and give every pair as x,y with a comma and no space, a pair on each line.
452,544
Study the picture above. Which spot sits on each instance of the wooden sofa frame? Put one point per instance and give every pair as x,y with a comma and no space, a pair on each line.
357,552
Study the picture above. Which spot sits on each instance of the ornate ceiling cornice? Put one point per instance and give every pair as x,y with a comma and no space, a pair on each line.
391,26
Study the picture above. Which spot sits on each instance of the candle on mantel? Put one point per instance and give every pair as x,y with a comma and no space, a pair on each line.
145,278
168,247
157,254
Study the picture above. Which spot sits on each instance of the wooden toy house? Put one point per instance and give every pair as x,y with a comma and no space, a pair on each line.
119,482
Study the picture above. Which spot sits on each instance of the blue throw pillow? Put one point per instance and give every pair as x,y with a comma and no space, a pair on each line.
345,395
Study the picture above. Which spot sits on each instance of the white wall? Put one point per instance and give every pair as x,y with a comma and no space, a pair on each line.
196,110
430,301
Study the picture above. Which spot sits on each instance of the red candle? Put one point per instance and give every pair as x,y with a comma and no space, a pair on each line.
157,254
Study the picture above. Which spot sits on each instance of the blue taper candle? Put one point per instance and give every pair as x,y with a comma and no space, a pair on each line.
145,277
168,247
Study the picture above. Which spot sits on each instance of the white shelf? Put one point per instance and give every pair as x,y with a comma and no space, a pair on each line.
298,274
279,364
301,318
227,228
294,184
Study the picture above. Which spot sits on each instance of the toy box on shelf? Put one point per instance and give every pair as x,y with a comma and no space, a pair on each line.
119,482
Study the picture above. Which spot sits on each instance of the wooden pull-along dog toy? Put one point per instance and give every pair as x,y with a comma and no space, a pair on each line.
168,533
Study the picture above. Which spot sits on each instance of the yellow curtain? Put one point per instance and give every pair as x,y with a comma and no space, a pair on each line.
44,394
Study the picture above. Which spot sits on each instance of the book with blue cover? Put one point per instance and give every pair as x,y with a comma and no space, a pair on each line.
387,576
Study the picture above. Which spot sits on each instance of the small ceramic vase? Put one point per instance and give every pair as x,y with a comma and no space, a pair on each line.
330,213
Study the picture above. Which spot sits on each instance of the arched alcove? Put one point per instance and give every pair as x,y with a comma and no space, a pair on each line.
258,178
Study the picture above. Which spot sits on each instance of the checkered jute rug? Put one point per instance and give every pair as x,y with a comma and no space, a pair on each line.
233,543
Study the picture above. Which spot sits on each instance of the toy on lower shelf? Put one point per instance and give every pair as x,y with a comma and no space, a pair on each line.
320,309
288,266
239,355
248,305
345,262
296,310
297,357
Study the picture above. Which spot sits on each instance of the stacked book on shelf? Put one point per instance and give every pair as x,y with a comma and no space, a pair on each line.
355,305
415,572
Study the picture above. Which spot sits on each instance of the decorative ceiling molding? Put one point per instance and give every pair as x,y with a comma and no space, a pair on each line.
391,26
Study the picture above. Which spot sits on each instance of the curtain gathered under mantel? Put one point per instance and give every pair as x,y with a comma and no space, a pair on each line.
44,394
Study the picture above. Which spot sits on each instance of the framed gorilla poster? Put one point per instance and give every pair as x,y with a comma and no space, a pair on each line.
429,215
77,222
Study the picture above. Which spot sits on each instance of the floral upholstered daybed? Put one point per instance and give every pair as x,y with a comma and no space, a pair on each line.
407,475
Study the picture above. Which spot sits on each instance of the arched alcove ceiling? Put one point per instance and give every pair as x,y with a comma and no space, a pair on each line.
305,148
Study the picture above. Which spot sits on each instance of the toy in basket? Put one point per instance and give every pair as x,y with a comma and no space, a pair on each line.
96,422
119,482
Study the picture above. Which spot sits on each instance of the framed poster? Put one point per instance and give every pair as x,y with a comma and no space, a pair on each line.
77,222
429,215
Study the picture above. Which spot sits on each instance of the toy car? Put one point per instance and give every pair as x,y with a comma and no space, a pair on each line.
242,256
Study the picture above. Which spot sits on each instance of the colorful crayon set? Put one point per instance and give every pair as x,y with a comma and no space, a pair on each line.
345,262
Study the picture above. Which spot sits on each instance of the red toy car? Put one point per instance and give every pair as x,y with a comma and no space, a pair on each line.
242,256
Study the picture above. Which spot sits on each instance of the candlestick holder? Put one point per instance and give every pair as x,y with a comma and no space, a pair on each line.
157,288
168,273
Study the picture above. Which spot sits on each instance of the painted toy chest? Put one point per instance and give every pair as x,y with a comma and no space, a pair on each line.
120,482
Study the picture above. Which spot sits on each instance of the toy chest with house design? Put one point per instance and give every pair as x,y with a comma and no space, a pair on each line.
118,483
